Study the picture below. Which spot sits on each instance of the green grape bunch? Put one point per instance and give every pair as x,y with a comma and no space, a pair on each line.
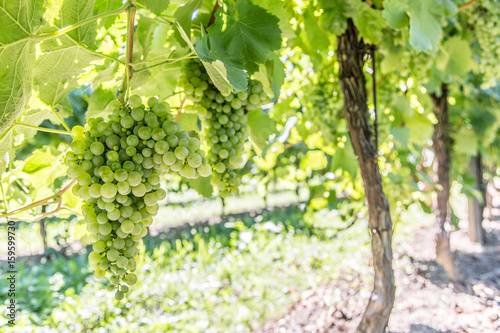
324,105
118,163
224,117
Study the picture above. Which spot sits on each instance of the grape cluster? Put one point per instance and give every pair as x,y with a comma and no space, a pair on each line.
224,117
117,164
485,19
324,105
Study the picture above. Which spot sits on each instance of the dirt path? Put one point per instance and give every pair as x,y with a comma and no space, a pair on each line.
425,301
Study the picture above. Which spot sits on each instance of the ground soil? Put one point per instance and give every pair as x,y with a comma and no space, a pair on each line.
426,301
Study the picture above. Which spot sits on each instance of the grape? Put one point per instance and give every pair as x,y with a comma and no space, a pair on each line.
225,126
118,163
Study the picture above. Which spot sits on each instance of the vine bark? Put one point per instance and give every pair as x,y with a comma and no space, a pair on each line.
350,54
442,144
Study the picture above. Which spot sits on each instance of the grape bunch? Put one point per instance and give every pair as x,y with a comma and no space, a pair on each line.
324,105
485,18
118,163
224,116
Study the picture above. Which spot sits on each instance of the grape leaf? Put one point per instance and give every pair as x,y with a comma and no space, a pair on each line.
57,70
38,160
155,6
202,185
369,22
283,10
73,11
466,141
246,29
103,6
20,19
6,150
317,36
220,65
184,14
16,63
401,134
98,101
271,75
425,30
395,13
35,115
336,13
261,127
456,58
345,159
225,75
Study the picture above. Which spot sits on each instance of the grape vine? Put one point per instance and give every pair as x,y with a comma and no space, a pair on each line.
118,164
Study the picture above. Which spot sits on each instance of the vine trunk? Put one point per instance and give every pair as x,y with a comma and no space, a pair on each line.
350,55
442,144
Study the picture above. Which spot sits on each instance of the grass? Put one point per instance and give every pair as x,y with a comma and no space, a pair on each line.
226,277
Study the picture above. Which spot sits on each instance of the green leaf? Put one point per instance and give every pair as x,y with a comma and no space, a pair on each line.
183,16
16,63
73,11
314,160
225,75
246,29
188,121
202,185
38,160
20,19
35,115
6,151
401,134
421,128
103,6
395,13
283,10
369,23
98,101
336,13
345,159
466,141
456,58
272,75
400,104
225,70
261,127
155,6
57,70
317,36
425,30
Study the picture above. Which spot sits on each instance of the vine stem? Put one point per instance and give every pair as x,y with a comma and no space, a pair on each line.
180,109
467,5
60,119
40,202
129,69
42,129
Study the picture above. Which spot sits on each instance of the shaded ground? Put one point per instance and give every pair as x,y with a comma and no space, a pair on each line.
425,301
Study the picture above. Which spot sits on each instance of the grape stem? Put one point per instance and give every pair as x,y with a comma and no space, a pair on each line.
56,197
129,69
180,109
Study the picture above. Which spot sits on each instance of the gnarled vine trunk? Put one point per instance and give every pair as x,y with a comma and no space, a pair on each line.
350,54
441,143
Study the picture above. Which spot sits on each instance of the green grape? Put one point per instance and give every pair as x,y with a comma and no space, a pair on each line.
119,295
